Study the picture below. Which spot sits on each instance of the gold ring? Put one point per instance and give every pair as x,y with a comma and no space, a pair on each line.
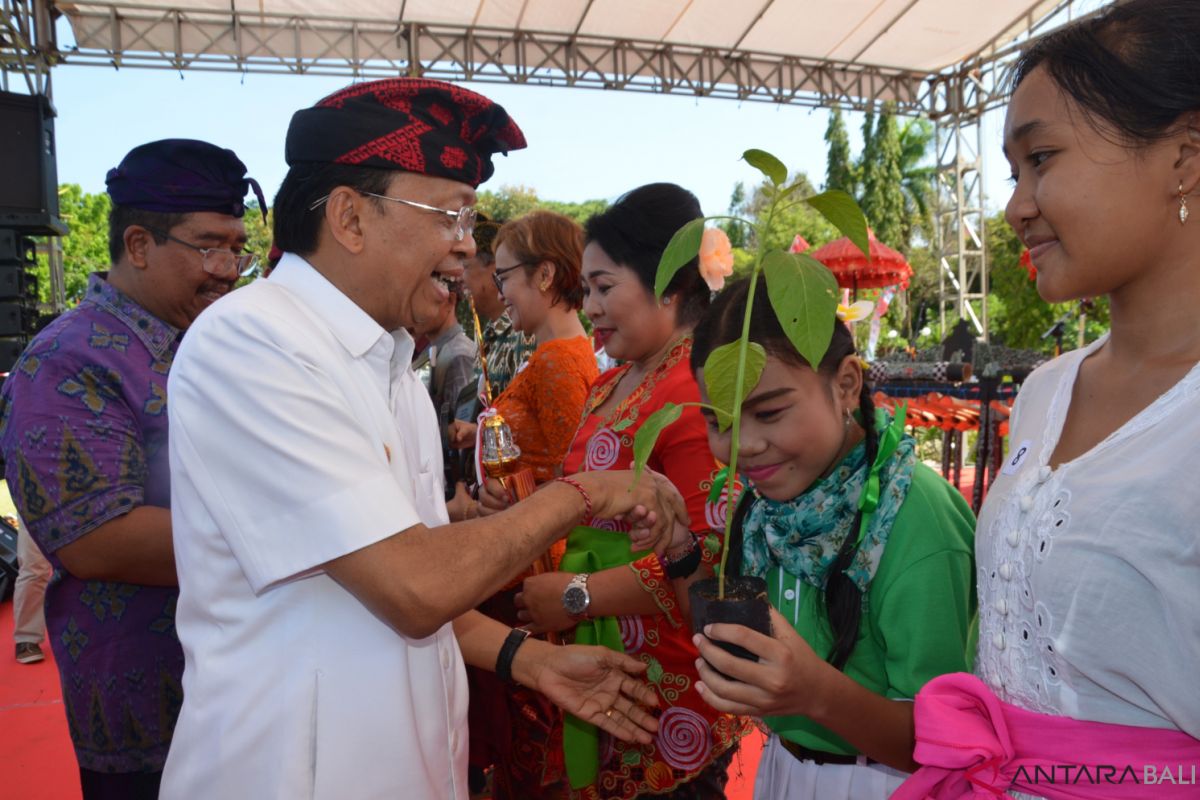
608,713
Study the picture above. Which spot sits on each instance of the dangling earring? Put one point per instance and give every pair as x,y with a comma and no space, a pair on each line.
545,285
846,419
1183,209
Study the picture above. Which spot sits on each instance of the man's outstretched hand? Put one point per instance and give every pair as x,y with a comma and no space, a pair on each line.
595,684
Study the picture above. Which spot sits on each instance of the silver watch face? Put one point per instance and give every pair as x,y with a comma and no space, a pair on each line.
575,600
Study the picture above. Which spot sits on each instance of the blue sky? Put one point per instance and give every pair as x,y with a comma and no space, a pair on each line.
583,143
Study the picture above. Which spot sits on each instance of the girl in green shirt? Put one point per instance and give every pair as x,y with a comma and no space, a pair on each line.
860,622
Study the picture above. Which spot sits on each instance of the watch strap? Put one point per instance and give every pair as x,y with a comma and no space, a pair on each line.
516,637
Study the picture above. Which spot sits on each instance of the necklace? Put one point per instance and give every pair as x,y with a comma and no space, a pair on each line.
679,348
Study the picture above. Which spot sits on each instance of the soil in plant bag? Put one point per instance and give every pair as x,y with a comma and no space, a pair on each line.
745,603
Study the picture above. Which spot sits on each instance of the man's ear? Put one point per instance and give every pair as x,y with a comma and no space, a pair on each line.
344,217
138,242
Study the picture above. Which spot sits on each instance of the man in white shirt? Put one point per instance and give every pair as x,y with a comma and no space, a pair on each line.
321,589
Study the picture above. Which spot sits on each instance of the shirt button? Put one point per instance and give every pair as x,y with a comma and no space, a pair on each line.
1013,537
1044,474
790,594
1006,571
1002,606
1027,503
998,641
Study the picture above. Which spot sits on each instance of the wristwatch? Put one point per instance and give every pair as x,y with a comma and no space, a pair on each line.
576,597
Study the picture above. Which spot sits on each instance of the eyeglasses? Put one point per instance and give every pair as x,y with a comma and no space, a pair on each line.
217,261
464,218
500,281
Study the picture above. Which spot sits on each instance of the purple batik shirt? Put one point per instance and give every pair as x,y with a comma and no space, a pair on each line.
83,429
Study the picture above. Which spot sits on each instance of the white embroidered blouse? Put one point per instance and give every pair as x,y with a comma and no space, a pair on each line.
1089,574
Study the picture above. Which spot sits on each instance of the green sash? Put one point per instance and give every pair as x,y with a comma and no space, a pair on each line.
591,550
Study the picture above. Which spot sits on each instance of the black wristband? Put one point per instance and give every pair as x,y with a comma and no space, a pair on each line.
683,566
516,638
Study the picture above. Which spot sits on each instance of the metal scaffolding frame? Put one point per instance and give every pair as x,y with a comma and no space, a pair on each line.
960,216
126,34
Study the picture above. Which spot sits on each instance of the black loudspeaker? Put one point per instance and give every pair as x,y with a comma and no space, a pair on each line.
28,169
18,294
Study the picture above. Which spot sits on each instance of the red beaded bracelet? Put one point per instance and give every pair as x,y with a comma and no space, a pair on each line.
587,499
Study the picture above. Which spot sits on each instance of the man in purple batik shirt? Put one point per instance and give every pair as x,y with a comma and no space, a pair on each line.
83,429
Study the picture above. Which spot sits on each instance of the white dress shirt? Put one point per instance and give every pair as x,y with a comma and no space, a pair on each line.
1089,574
299,434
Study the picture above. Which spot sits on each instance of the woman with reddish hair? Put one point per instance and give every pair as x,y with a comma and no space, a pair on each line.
602,593
538,272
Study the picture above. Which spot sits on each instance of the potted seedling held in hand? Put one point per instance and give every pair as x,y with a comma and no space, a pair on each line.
804,296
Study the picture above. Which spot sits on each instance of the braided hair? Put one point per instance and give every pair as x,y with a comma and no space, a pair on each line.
722,324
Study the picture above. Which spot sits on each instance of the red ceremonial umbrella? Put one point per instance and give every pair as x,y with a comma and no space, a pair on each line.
852,270
1027,263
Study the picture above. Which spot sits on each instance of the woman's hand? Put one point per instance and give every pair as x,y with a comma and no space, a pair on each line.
785,681
462,506
594,684
651,504
493,497
461,435
539,603
682,541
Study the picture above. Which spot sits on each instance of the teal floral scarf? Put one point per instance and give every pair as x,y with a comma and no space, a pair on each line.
803,535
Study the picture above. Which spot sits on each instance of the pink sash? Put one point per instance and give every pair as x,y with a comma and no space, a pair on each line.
973,746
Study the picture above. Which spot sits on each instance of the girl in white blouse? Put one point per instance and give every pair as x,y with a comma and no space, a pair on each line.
1088,547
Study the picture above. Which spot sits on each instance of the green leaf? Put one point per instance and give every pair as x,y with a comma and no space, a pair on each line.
767,164
714,494
654,673
803,293
845,215
720,377
622,425
683,247
647,435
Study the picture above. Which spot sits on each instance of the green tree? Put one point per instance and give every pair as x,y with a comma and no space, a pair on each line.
790,219
258,232
84,248
1018,316
917,178
839,166
735,232
882,198
510,202
580,212
507,202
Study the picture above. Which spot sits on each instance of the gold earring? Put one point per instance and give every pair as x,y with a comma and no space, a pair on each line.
1183,209
545,285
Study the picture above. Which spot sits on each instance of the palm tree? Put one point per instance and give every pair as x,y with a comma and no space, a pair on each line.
917,177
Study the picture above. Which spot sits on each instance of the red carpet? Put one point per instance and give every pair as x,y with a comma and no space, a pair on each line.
38,762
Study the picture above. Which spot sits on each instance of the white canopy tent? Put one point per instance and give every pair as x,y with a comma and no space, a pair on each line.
945,59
